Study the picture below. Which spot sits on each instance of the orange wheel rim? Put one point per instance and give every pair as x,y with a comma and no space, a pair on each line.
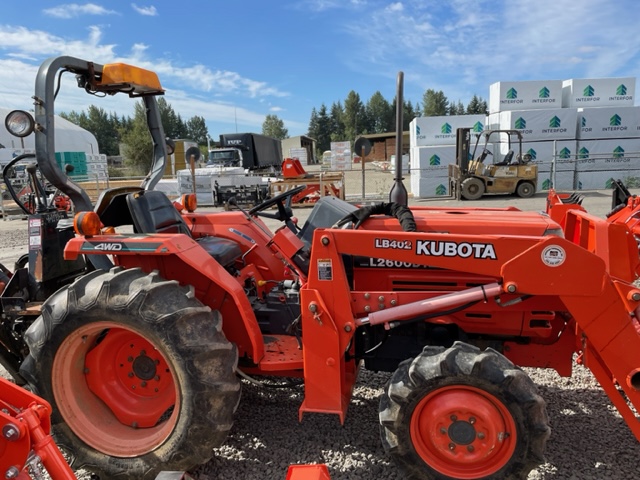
115,390
463,432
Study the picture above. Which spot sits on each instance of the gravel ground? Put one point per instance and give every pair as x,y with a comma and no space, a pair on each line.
589,438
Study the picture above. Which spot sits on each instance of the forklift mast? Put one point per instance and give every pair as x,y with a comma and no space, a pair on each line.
463,147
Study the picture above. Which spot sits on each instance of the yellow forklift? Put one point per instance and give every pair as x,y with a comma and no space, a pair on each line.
470,178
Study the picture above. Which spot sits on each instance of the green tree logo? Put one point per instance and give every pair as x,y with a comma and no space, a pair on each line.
546,185
618,152
609,183
583,122
512,94
565,153
544,93
441,190
615,121
533,153
521,123
478,127
434,160
446,128
417,129
621,90
589,91
554,122
583,152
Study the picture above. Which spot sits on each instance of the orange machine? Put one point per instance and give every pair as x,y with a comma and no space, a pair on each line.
316,185
24,418
138,352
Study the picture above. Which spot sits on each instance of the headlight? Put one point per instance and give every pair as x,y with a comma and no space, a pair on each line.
19,123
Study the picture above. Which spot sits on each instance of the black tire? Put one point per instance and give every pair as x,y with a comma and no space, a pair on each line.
472,188
525,189
188,356
447,401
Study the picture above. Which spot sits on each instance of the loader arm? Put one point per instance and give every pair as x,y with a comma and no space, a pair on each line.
584,271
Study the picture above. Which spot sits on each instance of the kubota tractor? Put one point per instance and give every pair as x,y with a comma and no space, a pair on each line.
137,346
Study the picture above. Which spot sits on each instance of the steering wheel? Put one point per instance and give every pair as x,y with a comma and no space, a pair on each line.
283,202
6,171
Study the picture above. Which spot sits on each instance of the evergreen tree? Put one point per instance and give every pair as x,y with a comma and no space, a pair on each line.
336,123
477,106
434,103
197,130
319,129
137,147
354,118
173,125
379,114
456,108
274,127
101,125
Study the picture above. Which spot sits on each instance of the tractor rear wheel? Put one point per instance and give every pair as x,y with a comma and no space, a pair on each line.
138,371
525,189
463,413
472,188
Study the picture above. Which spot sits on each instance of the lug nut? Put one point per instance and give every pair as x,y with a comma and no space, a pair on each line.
452,446
472,420
12,472
481,435
10,432
470,448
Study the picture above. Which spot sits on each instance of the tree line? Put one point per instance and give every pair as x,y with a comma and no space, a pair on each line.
378,115
129,136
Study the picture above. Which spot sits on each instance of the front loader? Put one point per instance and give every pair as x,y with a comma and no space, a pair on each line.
138,353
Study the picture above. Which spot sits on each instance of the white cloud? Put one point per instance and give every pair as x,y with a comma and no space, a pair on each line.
276,109
71,10
150,11
36,43
462,46
23,43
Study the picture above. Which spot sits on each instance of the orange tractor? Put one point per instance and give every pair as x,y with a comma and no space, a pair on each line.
137,340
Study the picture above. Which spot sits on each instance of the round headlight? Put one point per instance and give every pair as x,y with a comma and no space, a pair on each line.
19,123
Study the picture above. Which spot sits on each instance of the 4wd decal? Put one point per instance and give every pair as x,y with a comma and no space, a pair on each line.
112,247
434,248
120,246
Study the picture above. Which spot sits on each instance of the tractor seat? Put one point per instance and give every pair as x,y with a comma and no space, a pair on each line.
153,212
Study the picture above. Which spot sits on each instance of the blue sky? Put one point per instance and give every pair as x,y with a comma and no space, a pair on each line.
233,62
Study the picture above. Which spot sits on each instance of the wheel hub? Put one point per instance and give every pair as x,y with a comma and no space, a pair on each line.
131,377
462,432
144,367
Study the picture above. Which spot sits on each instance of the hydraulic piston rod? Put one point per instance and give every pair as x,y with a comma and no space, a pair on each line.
414,309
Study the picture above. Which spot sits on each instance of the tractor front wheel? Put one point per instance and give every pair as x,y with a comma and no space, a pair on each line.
138,371
463,413
472,188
